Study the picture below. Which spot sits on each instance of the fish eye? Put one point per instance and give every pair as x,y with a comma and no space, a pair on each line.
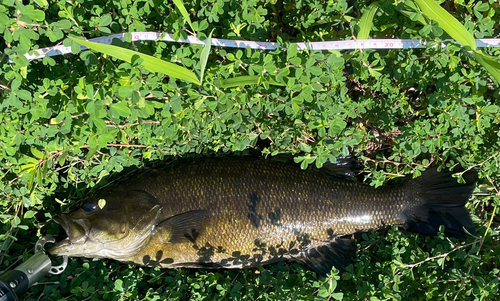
89,207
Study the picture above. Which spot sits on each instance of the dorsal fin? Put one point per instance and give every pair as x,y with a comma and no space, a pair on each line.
344,167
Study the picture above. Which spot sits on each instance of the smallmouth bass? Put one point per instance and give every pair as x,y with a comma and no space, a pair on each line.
243,212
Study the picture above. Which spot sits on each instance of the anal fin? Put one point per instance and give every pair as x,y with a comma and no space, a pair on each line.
339,253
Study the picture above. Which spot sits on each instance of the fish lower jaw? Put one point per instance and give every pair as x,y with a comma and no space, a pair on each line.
95,249
60,248
79,248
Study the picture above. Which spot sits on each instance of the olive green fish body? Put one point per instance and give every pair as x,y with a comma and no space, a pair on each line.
236,213
255,205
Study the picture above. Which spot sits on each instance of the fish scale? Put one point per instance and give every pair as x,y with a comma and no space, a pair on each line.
243,212
309,203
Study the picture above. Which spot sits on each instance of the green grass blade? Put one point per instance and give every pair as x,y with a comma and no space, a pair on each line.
204,55
366,21
244,80
447,22
240,81
491,64
151,63
184,13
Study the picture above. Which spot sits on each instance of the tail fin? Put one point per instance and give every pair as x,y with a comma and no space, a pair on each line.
440,200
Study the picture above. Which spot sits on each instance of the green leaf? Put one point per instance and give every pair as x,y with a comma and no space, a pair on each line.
482,7
125,91
447,22
366,21
35,14
105,20
175,102
4,20
42,3
127,37
119,110
91,153
491,109
204,55
64,24
291,52
29,214
151,63
414,16
23,94
38,154
337,126
104,139
75,48
491,64
62,158
99,123
184,13
101,203
119,285
305,148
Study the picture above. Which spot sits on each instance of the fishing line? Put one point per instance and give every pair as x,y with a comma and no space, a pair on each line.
323,45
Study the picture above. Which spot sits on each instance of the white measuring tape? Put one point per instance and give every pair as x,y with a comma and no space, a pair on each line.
328,45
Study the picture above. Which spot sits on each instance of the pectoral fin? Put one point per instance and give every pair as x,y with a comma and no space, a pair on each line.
339,253
183,227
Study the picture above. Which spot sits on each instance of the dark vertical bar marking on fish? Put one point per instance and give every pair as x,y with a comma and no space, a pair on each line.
253,216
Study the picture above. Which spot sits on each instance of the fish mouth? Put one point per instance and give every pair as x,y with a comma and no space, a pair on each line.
77,231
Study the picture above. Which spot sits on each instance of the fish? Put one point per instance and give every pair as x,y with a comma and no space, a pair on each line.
247,212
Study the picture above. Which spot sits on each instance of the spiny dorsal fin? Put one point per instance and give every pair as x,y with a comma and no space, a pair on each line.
184,227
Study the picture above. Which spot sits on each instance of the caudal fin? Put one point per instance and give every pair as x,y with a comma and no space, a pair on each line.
440,200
